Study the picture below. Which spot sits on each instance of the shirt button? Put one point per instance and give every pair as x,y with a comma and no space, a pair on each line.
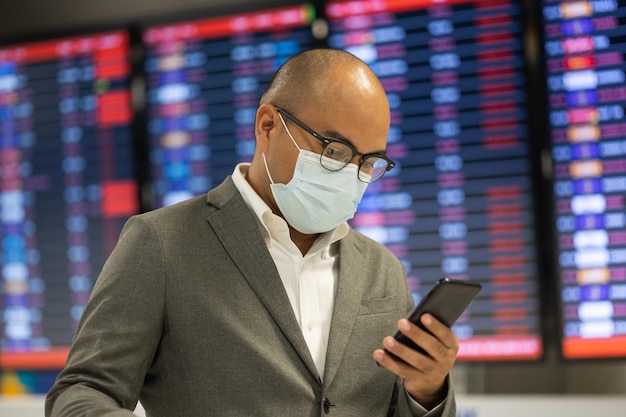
309,325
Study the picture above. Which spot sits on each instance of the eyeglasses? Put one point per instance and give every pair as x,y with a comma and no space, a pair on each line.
337,154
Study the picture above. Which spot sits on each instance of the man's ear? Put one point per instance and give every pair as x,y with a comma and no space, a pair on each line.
264,122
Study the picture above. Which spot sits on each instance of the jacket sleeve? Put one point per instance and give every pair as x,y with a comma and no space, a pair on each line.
118,333
447,409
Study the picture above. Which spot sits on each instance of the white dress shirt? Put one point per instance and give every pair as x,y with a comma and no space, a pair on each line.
310,280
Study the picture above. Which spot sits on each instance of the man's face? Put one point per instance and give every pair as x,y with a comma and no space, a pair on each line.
354,110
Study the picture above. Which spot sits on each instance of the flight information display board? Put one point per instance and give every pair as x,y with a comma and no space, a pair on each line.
66,186
204,81
460,203
585,43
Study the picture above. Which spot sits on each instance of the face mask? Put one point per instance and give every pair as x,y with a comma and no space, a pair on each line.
317,200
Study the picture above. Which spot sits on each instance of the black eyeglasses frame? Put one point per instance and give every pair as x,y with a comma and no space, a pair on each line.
327,141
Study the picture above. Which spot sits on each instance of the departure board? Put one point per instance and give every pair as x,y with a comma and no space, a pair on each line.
585,43
67,186
204,80
460,202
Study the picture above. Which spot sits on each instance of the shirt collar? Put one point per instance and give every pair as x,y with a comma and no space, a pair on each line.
273,227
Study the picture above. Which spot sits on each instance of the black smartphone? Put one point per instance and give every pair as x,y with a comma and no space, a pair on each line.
446,301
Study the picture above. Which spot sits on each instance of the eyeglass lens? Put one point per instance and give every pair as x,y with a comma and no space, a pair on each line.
338,155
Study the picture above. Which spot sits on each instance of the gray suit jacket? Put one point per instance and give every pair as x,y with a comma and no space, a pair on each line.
190,316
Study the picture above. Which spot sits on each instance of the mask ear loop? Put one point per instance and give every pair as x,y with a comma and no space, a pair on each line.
288,132
290,137
266,168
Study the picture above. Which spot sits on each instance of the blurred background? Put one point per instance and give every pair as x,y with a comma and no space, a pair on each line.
507,125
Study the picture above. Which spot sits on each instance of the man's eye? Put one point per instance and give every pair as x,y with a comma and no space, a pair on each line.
338,154
367,165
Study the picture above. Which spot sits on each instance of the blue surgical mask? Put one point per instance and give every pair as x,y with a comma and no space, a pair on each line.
317,200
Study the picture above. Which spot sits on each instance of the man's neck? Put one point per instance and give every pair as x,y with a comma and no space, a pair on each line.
302,241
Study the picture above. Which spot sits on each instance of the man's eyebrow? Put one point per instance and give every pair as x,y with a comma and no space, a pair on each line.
333,134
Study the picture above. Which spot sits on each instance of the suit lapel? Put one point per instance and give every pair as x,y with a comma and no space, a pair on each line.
350,288
237,229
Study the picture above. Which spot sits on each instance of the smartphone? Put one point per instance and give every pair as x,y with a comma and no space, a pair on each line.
446,301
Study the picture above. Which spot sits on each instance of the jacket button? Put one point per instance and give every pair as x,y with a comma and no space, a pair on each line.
326,403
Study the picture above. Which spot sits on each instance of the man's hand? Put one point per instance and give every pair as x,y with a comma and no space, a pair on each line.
424,376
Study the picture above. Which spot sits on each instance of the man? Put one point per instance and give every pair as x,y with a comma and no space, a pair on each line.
258,299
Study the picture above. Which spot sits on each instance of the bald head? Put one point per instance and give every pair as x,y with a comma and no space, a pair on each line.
307,76
330,92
